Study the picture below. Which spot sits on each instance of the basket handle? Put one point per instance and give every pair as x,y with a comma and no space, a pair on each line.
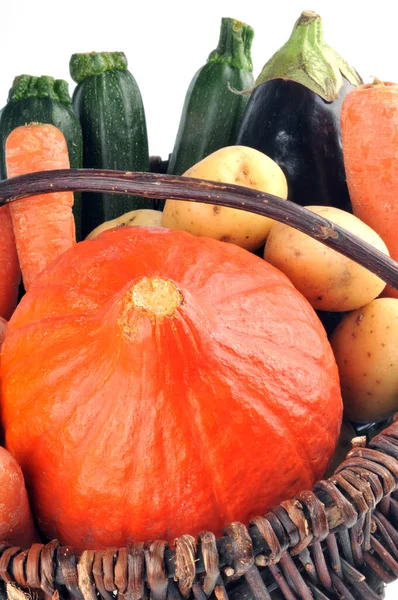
161,187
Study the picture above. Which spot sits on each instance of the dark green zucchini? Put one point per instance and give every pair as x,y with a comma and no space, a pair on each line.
212,112
43,100
108,103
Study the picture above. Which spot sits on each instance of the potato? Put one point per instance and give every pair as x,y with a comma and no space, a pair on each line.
365,344
329,280
234,164
143,217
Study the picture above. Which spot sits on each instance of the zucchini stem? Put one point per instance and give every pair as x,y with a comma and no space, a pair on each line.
234,45
88,64
30,86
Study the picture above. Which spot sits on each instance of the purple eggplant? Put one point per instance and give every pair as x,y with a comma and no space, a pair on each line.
293,115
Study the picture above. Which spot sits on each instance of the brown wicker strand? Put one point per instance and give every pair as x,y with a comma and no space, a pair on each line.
6,558
362,486
33,565
334,554
387,479
389,462
84,574
185,563
19,568
108,564
288,525
292,573
208,548
219,591
240,548
357,539
308,565
48,567
279,531
384,505
316,512
374,564
344,541
256,584
197,591
340,587
355,495
172,591
274,552
369,477
321,566
345,514
121,571
317,593
67,564
357,581
281,582
295,512
367,530
136,572
394,509
385,556
156,573
386,444
98,574
387,532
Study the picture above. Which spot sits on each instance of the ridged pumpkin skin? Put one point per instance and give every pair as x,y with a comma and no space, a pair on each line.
134,425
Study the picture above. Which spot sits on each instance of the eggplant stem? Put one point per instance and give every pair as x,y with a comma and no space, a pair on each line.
162,187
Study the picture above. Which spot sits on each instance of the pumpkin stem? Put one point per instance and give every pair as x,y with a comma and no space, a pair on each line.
155,295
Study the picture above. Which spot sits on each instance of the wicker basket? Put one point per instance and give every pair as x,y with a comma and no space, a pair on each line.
339,540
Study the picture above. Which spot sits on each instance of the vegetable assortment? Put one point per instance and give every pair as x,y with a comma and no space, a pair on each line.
176,351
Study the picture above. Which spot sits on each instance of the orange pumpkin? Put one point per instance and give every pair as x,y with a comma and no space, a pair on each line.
155,383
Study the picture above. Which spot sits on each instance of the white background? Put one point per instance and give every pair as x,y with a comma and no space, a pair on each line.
167,41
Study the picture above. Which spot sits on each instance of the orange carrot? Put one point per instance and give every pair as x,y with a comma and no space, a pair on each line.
369,129
10,273
3,325
43,225
16,522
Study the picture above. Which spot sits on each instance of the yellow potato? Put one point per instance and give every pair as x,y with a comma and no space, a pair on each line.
238,165
143,217
365,344
329,280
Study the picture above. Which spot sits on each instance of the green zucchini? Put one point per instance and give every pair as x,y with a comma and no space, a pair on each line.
109,105
212,109
43,100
